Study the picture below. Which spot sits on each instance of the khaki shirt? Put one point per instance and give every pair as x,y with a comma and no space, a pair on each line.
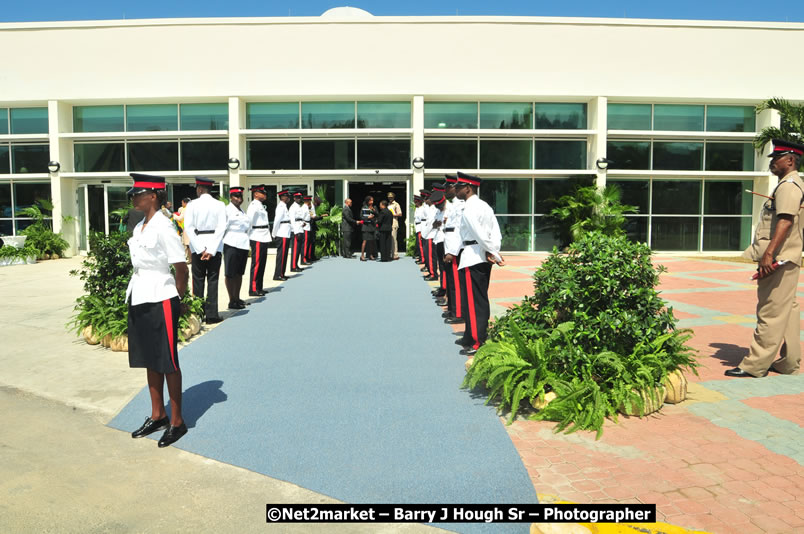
787,200
395,210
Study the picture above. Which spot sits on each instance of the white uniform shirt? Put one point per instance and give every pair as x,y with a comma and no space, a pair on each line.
237,227
479,224
438,236
296,218
428,232
281,221
153,249
417,218
452,229
203,214
307,216
258,216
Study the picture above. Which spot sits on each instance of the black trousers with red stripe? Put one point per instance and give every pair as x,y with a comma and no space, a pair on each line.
441,265
282,247
207,271
475,297
419,248
432,257
296,253
308,247
453,289
259,252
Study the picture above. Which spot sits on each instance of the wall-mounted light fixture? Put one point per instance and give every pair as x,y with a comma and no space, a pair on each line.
234,163
54,166
418,162
603,163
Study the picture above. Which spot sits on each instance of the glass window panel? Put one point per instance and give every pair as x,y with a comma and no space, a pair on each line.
155,156
730,119
27,195
30,158
330,154
544,234
99,157
272,115
3,121
22,224
674,233
450,114
6,227
383,154
632,155
729,157
726,233
728,198
5,160
636,229
328,114
333,191
204,116
497,154
152,118
5,201
506,115
29,120
450,154
628,116
560,154
548,191
98,119
676,197
507,196
633,192
561,116
273,155
117,199
204,155
677,156
677,117
383,114
515,232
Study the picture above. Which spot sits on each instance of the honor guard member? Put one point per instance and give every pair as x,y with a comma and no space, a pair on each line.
259,237
417,203
452,250
154,297
282,234
235,247
429,233
424,213
296,211
481,238
307,217
439,203
777,247
205,222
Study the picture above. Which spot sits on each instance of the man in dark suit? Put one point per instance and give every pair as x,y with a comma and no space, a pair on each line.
385,223
348,225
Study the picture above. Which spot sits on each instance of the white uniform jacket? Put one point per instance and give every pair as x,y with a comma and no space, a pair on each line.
417,218
296,218
438,233
281,221
307,215
428,232
153,249
452,229
479,225
237,227
205,224
258,222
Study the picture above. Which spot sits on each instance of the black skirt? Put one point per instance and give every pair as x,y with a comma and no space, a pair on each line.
153,335
234,261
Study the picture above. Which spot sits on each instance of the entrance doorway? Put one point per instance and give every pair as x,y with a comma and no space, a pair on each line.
358,191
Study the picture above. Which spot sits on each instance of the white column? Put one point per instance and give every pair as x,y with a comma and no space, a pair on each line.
597,109
417,151
763,184
62,190
236,147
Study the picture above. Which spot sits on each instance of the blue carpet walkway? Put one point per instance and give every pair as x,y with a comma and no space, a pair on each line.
346,381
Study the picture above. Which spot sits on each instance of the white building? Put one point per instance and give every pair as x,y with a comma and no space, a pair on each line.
348,100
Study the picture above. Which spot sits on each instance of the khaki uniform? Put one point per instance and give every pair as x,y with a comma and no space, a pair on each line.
778,321
396,210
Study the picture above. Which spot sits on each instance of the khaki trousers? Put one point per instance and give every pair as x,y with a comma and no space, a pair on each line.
778,324
394,230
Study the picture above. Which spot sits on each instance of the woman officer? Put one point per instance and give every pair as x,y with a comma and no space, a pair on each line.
154,307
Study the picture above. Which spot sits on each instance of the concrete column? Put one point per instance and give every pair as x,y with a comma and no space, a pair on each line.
417,150
62,190
236,146
763,184
597,110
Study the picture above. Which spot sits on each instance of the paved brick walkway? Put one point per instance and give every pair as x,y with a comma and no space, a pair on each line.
730,459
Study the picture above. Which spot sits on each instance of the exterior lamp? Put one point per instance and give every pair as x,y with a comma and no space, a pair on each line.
234,163
418,162
53,166
603,163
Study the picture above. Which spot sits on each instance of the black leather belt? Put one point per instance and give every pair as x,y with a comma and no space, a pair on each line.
449,229
199,232
284,222
467,243
261,226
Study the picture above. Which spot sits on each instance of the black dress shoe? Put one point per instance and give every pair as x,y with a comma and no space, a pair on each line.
243,302
463,343
441,302
236,306
213,320
738,373
447,315
280,278
150,426
255,294
440,293
469,351
296,270
172,435
453,320
432,279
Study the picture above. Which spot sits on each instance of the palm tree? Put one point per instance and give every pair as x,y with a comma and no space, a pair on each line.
792,127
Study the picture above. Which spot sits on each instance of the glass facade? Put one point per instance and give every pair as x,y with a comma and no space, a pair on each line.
99,157
677,156
506,115
383,114
98,119
273,155
629,116
3,121
29,158
628,154
204,155
328,154
506,154
383,154
6,212
152,118
328,114
450,115
560,116
272,115
560,155
153,156
5,159
729,156
730,119
26,194
508,196
515,232
450,153
678,117
29,121
204,116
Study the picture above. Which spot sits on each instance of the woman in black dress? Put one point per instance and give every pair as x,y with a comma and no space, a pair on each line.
368,215
385,223
155,306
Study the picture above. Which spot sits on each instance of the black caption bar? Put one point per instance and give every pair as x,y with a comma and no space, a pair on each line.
461,513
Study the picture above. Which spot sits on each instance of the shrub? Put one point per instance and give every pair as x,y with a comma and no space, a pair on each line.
589,209
595,331
40,236
327,235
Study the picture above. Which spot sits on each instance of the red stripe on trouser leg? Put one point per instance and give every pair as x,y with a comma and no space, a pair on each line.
470,297
293,257
430,255
168,311
304,250
443,279
421,248
457,280
256,268
284,253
